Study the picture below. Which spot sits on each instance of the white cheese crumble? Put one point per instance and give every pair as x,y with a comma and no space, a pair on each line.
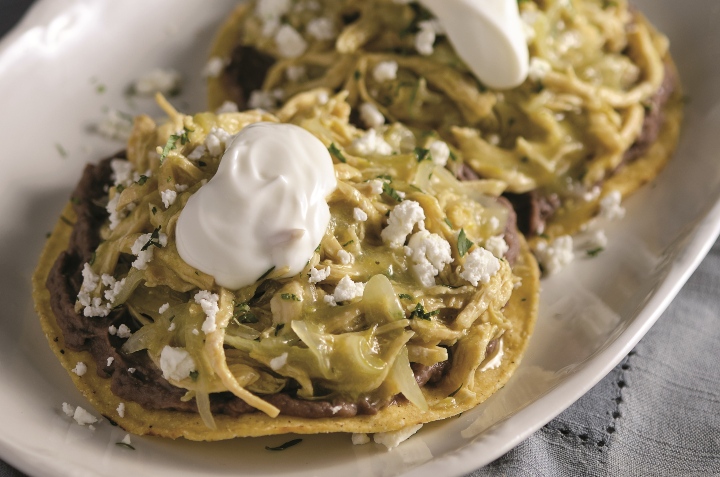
145,256
126,440
376,186
121,409
68,409
270,11
164,308
213,67
80,368
92,306
131,370
171,327
319,274
480,265
597,240
82,417
439,152
115,215
168,197
113,287
359,439
401,222
359,215
123,331
278,362
181,187
217,140
385,71
321,29
394,438
371,143
159,80
345,257
371,116
295,73
195,332
330,300
538,69
425,38
176,363
197,153
115,125
495,361
209,303
347,289
227,107
429,254
112,330
610,207
109,361
497,246
556,255
289,42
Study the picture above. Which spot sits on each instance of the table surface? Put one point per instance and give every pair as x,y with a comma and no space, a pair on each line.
656,413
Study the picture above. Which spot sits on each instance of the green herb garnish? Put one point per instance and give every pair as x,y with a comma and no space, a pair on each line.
419,312
456,391
194,375
264,275
333,149
406,296
464,243
387,189
284,446
347,243
143,179
123,444
421,153
154,239
447,221
169,146
290,296
61,150
595,251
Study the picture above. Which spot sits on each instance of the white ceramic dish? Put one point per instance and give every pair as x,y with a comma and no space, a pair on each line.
592,313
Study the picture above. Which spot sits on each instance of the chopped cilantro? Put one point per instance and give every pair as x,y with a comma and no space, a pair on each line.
419,312
347,243
123,444
194,375
357,75
154,240
405,296
92,258
264,275
464,243
143,179
169,146
154,210
333,149
391,192
67,221
184,136
119,188
447,221
595,251
453,157
290,296
422,154
285,445
61,150
202,163
385,177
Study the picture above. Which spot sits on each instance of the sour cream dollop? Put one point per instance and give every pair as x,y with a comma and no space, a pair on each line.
488,36
265,207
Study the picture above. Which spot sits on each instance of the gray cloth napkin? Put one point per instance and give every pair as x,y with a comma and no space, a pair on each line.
657,413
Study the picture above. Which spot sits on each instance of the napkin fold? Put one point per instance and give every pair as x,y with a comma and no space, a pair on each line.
657,413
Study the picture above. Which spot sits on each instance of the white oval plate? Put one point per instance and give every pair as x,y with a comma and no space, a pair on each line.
51,70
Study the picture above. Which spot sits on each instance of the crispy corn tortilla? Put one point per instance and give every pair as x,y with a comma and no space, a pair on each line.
521,311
